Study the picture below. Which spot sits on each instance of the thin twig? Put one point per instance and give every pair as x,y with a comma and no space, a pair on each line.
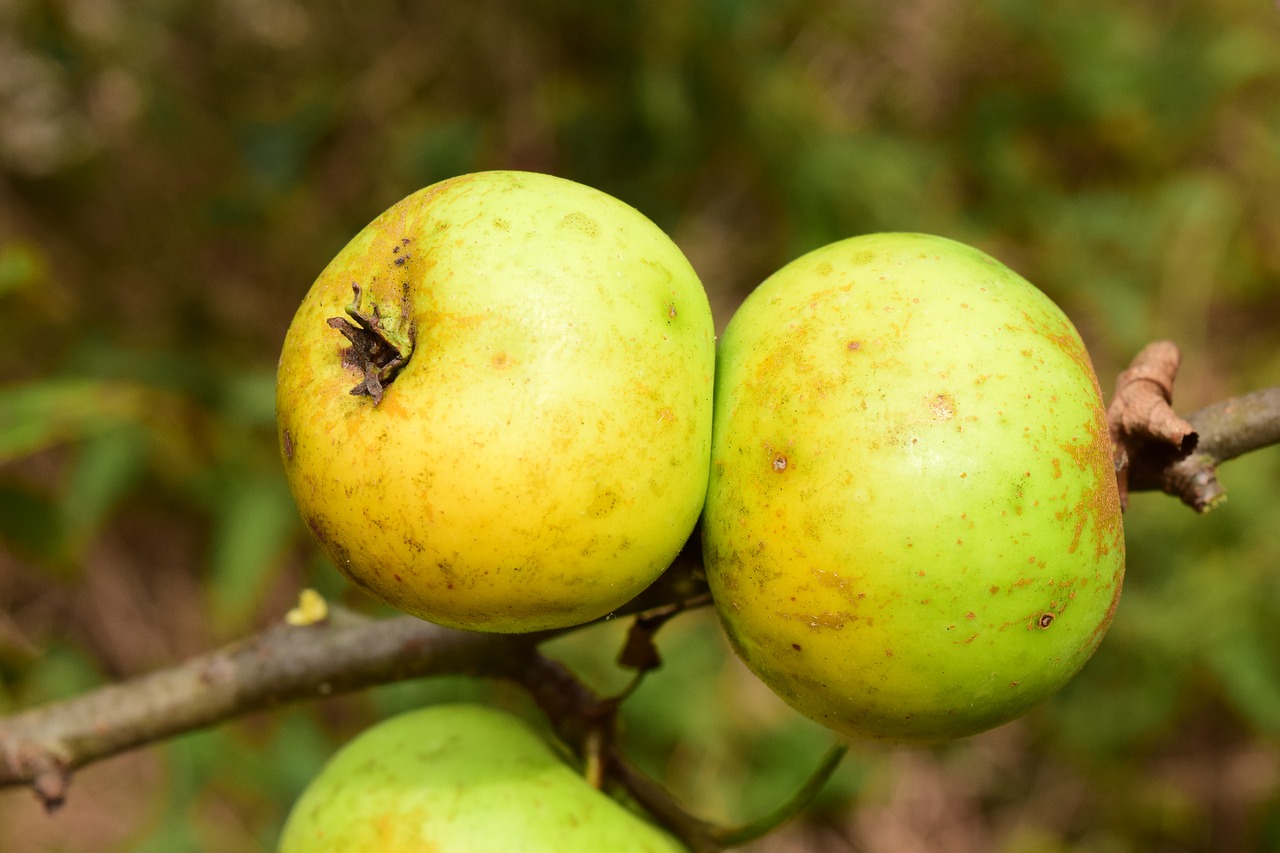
798,802
1141,414
1155,449
584,719
1224,431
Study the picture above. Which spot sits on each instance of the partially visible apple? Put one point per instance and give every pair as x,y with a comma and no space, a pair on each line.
494,405
459,779
912,529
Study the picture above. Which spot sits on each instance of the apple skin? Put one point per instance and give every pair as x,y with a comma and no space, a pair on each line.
459,779
912,530
542,454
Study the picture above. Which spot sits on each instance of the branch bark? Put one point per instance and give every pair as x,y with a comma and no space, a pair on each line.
1224,431
347,652
1156,450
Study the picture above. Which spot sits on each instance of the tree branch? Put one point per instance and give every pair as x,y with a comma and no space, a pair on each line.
1224,431
343,653
1156,450
42,746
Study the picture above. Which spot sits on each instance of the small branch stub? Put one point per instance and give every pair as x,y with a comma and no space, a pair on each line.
380,346
1140,414
1157,450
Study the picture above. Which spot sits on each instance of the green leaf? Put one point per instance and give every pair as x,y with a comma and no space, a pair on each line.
1250,675
251,397
29,522
175,833
295,755
106,467
23,266
64,671
397,698
256,522
43,414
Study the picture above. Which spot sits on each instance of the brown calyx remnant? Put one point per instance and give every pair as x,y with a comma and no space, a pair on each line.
380,347
1140,417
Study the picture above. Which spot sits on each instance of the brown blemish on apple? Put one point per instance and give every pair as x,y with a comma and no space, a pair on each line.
818,621
1064,339
287,438
1099,505
357,579
582,223
331,546
831,580
603,504
395,250
454,322
1076,534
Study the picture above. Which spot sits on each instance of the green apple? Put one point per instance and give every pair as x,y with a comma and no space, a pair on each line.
494,405
459,779
912,529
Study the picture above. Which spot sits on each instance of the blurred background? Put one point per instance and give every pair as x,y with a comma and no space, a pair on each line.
173,175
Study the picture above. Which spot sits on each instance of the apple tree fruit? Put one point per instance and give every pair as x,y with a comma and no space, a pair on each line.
459,778
494,405
912,529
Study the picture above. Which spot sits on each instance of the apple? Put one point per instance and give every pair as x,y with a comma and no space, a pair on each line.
912,530
459,779
494,405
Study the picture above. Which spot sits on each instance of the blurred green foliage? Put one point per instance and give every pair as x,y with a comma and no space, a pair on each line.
173,175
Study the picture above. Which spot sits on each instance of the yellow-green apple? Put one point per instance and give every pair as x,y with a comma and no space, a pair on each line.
459,779
912,529
494,405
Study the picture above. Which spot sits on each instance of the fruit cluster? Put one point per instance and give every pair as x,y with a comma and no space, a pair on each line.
502,408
